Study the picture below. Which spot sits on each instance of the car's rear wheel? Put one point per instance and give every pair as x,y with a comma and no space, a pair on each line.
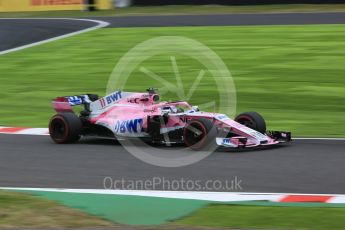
65,128
252,120
200,134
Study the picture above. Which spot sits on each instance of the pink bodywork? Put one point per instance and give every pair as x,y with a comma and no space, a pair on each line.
126,113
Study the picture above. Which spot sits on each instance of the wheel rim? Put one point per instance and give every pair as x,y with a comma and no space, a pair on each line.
246,121
195,134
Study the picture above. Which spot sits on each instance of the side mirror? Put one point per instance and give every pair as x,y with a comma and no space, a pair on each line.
155,97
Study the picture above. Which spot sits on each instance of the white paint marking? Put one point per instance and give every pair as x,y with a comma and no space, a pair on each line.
337,200
34,131
26,131
100,24
320,138
193,195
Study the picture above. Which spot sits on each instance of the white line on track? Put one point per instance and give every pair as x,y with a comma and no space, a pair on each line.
194,195
100,24
320,138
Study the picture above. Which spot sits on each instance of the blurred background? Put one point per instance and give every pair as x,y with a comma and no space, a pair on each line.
287,61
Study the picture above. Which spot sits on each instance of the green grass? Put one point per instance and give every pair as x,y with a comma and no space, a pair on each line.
293,75
22,210
206,9
256,217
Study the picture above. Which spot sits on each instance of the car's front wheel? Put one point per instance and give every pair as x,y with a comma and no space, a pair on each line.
252,120
200,134
65,128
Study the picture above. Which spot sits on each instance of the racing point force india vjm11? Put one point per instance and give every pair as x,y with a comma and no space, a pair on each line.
125,115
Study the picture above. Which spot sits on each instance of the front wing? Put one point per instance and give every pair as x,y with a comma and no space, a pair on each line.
274,137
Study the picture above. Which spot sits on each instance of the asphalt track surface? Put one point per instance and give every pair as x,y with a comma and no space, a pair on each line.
19,32
227,20
303,166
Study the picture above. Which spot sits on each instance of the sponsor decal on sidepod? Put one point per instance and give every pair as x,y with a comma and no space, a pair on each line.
129,126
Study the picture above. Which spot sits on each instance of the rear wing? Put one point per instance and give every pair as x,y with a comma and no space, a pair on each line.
65,104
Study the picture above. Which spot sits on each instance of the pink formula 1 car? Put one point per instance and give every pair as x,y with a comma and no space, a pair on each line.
125,115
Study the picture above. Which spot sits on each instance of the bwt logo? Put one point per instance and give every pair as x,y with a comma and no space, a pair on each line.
226,141
222,117
114,97
129,126
110,99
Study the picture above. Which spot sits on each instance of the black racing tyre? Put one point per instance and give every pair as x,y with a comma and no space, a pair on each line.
252,120
65,128
200,134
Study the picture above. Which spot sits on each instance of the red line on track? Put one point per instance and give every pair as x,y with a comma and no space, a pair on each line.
305,198
11,129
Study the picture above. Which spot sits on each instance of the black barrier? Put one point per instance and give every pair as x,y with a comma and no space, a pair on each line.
90,5
231,2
